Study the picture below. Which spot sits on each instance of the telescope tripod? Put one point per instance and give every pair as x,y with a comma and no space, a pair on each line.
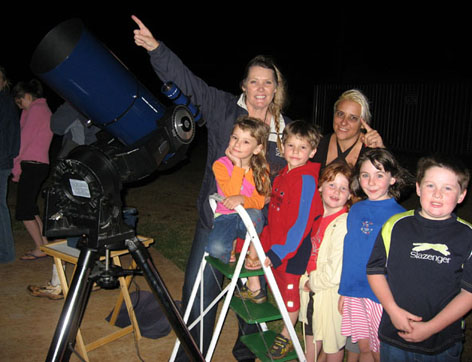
63,341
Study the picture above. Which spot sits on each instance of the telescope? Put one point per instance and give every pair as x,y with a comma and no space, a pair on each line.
84,199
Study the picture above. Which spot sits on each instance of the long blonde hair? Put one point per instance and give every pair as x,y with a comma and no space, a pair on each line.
280,98
258,163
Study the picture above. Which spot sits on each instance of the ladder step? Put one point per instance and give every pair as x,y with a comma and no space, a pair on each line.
259,345
228,269
255,313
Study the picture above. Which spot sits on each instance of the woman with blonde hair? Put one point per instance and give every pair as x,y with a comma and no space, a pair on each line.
263,97
352,131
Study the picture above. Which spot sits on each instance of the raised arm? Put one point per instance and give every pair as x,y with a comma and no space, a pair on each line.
169,67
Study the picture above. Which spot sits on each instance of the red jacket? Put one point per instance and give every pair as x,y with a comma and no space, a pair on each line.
295,208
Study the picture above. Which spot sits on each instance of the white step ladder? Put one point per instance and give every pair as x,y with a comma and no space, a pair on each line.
228,291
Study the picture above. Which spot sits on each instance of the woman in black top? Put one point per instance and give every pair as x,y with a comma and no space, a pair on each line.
352,133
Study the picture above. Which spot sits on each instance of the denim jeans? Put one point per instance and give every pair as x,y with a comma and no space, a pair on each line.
389,353
226,229
7,245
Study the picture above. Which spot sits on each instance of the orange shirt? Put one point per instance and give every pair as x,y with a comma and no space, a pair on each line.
230,182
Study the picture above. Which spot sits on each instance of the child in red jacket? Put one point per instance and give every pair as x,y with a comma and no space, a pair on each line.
295,206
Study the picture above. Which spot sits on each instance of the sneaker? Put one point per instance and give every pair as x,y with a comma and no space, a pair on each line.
259,296
280,348
53,292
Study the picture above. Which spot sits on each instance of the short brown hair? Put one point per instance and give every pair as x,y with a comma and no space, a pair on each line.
303,130
442,161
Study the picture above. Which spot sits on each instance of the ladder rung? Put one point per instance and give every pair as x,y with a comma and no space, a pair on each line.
228,269
258,313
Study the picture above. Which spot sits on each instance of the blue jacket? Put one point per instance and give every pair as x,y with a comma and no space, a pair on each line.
219,109
364,221
9,131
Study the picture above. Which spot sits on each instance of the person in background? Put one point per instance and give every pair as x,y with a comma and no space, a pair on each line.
31,166
67,122
352,134
9,148
351,137
72,125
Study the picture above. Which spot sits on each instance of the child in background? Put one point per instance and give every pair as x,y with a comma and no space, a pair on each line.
379,179
242,177
294,205
31,166
319,286
421,270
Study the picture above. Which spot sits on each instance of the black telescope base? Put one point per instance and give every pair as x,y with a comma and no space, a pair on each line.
63,341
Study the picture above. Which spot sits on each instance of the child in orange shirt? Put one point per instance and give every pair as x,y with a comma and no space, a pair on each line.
242,178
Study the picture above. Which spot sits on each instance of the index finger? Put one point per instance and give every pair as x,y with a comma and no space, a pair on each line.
139,22
366,126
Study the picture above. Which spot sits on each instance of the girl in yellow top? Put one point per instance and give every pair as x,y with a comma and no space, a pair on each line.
319,286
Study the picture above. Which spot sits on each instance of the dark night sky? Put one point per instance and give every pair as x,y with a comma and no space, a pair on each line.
309,46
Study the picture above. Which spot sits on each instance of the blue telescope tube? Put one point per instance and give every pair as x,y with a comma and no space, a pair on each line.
83,71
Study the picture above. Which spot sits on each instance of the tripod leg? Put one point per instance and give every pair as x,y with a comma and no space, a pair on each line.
143,259
74,307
